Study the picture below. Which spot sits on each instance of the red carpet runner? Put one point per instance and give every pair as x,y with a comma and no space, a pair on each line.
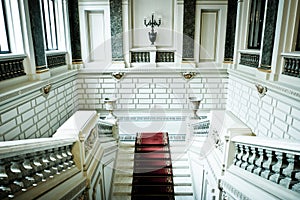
152,175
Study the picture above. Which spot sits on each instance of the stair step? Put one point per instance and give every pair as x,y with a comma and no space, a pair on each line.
123,179
121,196
122,188
179,172
182,180
123,172
182,184
185,197
124,165
183,189
180,163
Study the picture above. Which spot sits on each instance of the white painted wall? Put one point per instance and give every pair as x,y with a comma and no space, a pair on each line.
25,113
276,115
165,90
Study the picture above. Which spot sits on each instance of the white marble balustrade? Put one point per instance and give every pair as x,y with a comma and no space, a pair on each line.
27,163
270,166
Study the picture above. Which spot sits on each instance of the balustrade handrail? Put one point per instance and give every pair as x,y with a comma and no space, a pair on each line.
21,147
251,52
269,143
291,55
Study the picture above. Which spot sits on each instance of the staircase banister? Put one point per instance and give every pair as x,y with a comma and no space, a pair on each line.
18,147
283,145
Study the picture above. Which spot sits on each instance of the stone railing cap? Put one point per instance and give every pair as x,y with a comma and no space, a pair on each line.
284,145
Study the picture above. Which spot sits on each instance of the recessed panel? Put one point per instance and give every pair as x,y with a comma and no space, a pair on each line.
96,36
142,9
208,35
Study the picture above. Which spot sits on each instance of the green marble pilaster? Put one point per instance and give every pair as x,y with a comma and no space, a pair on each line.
188,29
269,34
230,30
74,31
37,35
116,30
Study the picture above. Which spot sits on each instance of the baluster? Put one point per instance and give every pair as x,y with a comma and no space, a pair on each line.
136,56
292,70
29,170
25,180
65,157
286,64
53,162
296,186
38,168
172,57
70,157
240,155
7,72
254,155
290,171
168,57
47,164
277,168
237,151
140,57
290,66
2,71
245,157
132,57
19,68
16,183
259,162
148,57
58,161
297,68
267,165
5,190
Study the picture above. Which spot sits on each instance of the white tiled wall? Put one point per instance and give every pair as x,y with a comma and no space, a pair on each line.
274,115
168,91
33,116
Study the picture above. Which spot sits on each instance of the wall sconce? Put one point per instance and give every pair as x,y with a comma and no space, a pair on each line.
152,23
188,75
262,90
46,89
117,75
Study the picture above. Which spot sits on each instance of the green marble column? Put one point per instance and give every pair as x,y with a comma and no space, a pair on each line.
74,31
269,35
116,30
37,35
188,29
230,30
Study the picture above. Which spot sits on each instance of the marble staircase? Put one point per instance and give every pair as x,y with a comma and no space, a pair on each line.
122,183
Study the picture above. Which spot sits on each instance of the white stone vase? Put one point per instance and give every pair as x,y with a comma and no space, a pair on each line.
110,105
195,106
